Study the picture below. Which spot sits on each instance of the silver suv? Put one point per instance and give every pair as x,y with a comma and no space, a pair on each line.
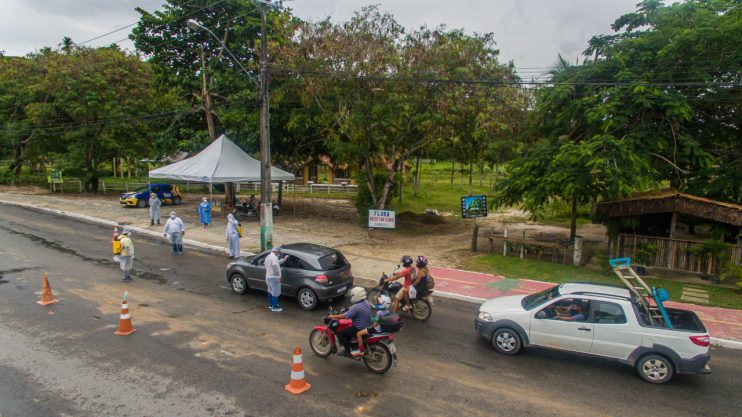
600,320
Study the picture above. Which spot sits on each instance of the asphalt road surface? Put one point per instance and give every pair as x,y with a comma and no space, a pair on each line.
200,350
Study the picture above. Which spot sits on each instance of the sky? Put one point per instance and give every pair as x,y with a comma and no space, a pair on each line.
529,32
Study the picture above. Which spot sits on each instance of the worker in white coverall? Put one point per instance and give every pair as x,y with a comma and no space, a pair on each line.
233,236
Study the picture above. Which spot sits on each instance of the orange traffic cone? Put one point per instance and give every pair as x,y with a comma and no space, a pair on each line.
46,293
125,327
297,385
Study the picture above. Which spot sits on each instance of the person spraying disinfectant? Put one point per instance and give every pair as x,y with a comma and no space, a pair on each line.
126,254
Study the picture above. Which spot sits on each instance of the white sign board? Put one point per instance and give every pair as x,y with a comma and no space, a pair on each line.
383,219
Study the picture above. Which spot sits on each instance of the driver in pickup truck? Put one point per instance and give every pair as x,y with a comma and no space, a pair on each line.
575,313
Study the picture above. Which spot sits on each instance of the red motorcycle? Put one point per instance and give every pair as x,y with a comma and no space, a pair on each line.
379,351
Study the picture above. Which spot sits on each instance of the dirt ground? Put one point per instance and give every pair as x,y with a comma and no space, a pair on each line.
444,240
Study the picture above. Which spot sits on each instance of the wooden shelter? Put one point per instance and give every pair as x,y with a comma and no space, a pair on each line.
651,219
659,210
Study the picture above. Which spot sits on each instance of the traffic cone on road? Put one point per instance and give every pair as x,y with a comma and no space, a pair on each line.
47,297
297,385
125,327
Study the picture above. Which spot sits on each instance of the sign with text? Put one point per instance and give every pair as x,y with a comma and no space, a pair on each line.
474,206
383,219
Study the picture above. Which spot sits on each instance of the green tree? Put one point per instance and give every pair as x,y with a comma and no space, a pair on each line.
101,104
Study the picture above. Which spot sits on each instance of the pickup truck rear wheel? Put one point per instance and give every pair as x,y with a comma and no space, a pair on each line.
654,368
506,341
141,203
176,201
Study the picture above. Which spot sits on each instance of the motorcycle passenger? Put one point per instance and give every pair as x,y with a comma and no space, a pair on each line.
360,313
404,294
421,278
383,303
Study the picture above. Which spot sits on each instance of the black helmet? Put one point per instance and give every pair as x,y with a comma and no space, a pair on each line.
421,261
406,260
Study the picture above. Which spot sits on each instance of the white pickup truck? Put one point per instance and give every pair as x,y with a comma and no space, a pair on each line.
600,320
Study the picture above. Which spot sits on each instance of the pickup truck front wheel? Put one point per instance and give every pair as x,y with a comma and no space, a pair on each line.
656,369
506,341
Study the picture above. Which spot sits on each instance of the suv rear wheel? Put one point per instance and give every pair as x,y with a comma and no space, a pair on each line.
654,368
506,341
307,299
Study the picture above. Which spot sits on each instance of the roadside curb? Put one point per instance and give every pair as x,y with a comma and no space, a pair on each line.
724,343
139,230
728,344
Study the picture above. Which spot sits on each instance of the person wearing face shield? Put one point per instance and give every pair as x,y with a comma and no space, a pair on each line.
175,230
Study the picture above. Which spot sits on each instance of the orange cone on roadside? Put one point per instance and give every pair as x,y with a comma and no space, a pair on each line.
297,385
47,297
125,327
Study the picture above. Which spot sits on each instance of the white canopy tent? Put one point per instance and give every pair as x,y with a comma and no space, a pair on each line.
220,162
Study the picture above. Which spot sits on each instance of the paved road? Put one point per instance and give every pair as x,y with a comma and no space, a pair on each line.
201,351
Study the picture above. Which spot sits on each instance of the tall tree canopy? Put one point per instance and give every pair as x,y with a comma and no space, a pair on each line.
660,100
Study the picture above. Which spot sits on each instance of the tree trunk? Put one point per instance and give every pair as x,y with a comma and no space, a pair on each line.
206,95
113,164
453,170
573,225
416,185
388,184
471,177
121,168
481,173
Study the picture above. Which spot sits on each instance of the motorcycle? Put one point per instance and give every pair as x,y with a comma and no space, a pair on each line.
421,308
379,351
245,210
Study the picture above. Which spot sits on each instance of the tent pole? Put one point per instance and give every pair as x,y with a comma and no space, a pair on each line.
294,188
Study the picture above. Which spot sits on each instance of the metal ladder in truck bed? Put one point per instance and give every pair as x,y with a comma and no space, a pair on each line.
657,313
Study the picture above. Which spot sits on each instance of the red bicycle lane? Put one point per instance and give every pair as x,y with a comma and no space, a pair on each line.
721,323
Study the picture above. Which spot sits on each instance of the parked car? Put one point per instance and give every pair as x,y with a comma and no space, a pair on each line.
311,273
168,193
599,320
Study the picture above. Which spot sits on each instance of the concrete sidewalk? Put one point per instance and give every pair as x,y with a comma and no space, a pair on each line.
724,325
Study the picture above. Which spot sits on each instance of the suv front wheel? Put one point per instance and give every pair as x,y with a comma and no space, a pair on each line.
506,341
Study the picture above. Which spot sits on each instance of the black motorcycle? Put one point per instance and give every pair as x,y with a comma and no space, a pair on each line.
421,309
246,210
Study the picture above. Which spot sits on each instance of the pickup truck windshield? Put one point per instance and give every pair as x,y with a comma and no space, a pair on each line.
534,300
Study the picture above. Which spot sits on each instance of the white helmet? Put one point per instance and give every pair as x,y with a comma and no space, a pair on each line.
357,294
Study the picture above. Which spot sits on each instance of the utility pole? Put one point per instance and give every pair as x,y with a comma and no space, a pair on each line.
266,186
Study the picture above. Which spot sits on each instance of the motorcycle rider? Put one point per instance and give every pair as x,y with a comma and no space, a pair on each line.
360,313
408,273
421,278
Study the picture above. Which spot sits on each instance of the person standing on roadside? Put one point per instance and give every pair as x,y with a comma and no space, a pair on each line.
233,236
126,256
175,230
204,212
154,209
273,277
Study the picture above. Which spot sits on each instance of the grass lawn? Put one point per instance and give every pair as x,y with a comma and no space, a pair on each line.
513,267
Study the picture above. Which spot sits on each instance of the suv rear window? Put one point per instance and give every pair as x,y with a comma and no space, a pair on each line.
332,261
